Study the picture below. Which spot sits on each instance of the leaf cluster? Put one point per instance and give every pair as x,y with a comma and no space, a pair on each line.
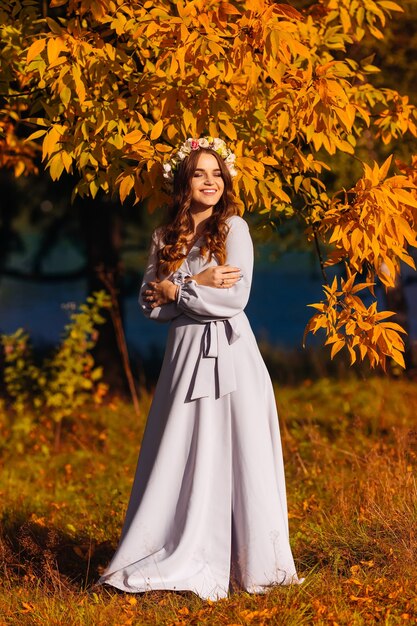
115,87
370,228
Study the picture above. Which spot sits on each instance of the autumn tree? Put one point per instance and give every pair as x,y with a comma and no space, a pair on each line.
111,88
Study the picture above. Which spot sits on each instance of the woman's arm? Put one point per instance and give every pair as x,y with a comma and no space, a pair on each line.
165,291
202,302
165,312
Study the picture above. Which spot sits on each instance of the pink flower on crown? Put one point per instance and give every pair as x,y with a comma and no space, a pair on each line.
213,143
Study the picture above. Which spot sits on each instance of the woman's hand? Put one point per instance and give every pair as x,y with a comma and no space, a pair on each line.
220,276
160,292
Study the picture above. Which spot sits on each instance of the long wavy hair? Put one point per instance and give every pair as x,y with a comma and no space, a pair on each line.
179,224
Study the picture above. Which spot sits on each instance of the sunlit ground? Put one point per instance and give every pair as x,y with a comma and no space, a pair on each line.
350,451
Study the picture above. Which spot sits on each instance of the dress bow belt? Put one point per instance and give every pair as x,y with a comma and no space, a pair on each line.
215,370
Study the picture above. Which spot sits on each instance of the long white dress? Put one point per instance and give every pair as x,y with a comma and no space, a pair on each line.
209,490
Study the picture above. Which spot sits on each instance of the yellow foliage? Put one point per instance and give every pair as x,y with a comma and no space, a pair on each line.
374,223
348,323
119,85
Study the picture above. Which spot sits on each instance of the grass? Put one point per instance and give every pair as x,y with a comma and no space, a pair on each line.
350,452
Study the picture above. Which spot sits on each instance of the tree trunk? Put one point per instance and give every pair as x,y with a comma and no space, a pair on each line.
102,231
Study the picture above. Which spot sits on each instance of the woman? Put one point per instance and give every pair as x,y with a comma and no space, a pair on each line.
209,491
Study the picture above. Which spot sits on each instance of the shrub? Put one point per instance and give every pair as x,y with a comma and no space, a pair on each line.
64,381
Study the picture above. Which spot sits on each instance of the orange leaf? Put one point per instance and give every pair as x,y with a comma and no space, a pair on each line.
384,168
338,345
269,160
161,147
229,130
143,123
35,49
125,187
352,355
133,137
157,130
189,121
55,46
398,357
394,326
391,6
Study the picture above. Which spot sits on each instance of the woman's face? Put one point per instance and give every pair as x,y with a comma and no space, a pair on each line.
207,184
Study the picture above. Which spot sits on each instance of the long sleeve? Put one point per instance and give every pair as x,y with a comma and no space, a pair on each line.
163,313
210,303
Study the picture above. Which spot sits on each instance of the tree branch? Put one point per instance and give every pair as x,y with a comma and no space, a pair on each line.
319,254
21,94
107,278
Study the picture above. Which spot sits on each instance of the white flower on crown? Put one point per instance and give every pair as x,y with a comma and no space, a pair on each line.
212,143
182,154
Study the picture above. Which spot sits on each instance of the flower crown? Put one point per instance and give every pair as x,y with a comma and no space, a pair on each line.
211,143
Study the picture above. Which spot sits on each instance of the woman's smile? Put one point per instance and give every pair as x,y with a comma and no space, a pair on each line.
207,184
